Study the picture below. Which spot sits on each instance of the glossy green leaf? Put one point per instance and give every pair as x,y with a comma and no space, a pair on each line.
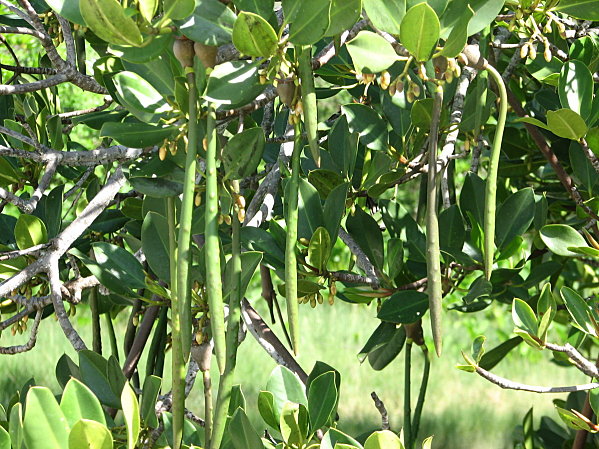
79,402
254,36
136,94
148,8
368,124
293,424
581,9
285,386
44,425
93,368
404,307
118,269
243,434
267,409
149,51
479,288
319,249
15,425
485,12
559,238
211,23
178,9
137,134
310,21
367,234
458,37
260,7
576,88
249,262
324,180
108,20
234,83
243,152
579,310
8,174
343,14
150,392
335,436
573,420
386,15
309,209
371,53
453,231
156,187
30,231
334,208
4,439
594,400
524,317
131,414
582,167
69,9
514,216
566,123
322,398
90,434
395,257
491,358
154,242
472,197
419,31
383,439
343,146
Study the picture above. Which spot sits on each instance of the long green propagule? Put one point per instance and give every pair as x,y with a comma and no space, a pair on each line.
214,287
233,323
179,265
433,251
309,100
474,59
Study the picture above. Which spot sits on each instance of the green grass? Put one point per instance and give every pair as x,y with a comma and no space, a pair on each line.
461,410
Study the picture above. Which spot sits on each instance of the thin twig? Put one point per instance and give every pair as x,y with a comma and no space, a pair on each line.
380,406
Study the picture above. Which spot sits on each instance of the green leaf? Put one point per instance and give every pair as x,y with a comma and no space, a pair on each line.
254,36
386,15
243,434
334,208
15,425
532,121
579,310
309,209
108,20
149,395
243,152
156,187
368,124
371,53
566,123
478,349
4,439
422,113
497,354
573,420
383,439
293,424
453,230
395,257
485,12
234,83
147,9
334,436
367,234
582,167
322,398
8,173
285,386
44,425
319,249
324,180
514,216
580,9
310,21
343,146
559,238
404,307
479,288
594,400
90,435
524,317
419,31
267,409
472,197
211,23
79,402
261,7
30,231
458,37
178,9
137,134
344,13
154,242
139,96
117,269
575,88
93,368
131,414
69,9
249,262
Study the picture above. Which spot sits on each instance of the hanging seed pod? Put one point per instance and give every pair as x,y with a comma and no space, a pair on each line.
241,215
183,50
162,153
240,201
392,88
313,301
319,298
547,53
532,54
331,299
416,90
547,28
286,91
202,355
227,219
206,54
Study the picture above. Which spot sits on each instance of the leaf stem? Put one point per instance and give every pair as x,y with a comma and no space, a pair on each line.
491,187
433,252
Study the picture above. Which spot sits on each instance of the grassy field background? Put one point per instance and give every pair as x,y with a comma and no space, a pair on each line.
461,410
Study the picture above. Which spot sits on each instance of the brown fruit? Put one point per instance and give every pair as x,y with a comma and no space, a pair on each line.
183,50
206,54
286,91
